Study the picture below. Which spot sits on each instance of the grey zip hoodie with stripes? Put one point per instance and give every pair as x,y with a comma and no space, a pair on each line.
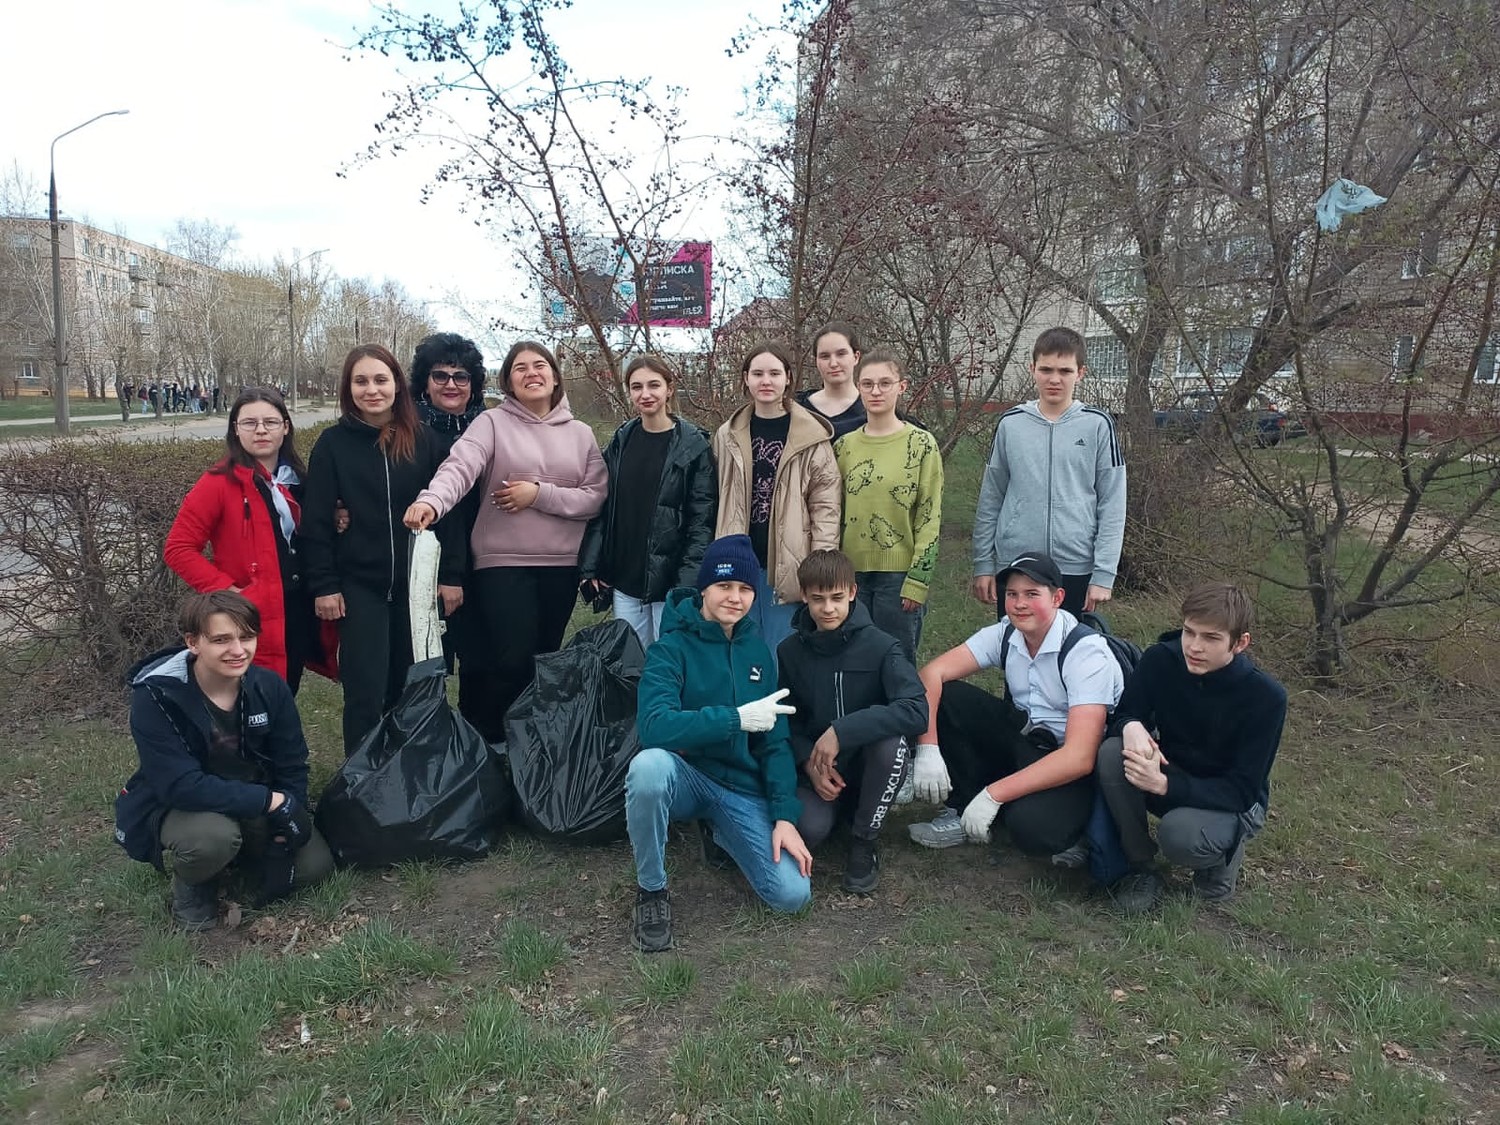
1057,487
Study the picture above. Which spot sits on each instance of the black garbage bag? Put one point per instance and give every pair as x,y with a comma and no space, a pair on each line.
422,785
571,735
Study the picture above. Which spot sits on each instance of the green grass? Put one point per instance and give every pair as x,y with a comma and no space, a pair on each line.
41,407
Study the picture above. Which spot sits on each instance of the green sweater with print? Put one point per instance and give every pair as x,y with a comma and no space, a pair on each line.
893,501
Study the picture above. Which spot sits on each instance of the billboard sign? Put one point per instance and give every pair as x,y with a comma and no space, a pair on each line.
679,286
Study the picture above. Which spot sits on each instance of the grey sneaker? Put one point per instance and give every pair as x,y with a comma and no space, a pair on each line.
1217,883
908,791
652,920
195,906
862,869
946,831
714,855
1073,858
1139,892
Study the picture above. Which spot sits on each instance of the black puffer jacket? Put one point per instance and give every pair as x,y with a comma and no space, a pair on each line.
854,679
348,466
687,505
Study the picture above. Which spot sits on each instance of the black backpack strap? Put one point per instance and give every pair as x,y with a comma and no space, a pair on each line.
1070,642
1005,635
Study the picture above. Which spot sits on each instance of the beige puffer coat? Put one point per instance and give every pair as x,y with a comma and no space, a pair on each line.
808,501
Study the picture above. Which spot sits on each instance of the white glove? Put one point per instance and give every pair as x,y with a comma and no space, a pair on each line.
929,774
761,715
979,815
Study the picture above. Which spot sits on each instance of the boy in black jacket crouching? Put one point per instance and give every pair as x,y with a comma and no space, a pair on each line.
1194,737
858,702
223,774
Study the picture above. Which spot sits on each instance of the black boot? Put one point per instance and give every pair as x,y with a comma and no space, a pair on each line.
195,906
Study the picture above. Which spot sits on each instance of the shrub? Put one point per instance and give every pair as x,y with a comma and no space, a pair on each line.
84,592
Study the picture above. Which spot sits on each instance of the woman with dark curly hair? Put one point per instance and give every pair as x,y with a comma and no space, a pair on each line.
447,382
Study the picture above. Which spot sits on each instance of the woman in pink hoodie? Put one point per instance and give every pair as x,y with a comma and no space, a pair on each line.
544,479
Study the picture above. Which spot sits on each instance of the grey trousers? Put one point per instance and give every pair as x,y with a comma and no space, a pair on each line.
202,844
880,591
877,771
1188,837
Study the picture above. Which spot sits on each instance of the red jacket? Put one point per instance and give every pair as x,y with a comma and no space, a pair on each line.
228,513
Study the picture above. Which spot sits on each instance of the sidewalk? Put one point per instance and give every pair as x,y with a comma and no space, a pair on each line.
149,427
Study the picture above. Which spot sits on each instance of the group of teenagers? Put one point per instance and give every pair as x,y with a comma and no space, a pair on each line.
777,574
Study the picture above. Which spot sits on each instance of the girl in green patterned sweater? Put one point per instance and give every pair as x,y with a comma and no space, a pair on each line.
893,496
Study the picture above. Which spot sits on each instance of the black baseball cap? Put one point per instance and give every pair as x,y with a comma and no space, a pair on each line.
1036,566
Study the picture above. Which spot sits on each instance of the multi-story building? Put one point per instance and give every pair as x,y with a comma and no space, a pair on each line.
117,292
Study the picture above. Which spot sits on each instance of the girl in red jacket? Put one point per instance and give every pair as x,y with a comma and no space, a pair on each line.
246,508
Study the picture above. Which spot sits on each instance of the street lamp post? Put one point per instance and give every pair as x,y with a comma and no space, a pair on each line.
59,317
291,316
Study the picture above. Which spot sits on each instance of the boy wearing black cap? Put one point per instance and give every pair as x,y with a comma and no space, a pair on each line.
715,741
1027,760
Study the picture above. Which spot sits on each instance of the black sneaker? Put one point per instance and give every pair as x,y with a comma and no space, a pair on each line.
862,870
653,921
713,855
1139,892
195,906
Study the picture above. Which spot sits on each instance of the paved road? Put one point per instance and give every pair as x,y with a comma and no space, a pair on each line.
171,427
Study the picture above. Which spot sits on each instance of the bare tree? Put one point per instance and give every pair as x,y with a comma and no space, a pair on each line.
578,173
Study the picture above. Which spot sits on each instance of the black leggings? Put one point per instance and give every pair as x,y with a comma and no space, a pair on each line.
374,656
523,611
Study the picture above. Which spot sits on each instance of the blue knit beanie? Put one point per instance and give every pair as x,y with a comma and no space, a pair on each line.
730,559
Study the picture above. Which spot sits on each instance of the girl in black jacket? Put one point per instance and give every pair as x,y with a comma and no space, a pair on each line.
373,463
663,500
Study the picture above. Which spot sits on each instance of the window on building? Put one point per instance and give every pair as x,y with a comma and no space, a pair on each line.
1119,279
1422,257
143,317
28,370
1401,355
86,247
1107,359
135,259
1487,370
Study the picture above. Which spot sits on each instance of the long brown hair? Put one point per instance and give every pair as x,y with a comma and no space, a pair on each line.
783,354
657,366
398,437
235,453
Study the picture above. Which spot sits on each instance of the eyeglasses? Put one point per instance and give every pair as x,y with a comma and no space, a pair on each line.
883,386
457,378
250,425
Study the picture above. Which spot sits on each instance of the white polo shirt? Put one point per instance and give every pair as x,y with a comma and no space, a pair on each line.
1092,676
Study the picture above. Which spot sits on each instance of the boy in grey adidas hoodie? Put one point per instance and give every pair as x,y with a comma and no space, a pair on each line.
1055,481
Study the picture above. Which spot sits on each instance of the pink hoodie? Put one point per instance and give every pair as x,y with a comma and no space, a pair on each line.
510,443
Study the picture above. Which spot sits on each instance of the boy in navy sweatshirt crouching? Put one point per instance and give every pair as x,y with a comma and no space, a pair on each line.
1194,737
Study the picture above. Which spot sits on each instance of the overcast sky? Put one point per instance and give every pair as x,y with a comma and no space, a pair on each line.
244,111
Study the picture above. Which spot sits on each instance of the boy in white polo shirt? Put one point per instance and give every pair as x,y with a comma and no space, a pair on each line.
1027,759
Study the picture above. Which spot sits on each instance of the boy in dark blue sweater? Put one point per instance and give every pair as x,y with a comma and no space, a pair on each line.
1194,737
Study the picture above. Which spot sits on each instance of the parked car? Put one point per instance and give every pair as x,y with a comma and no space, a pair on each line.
1195,410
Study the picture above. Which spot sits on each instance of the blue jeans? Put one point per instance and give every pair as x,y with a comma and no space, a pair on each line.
880,591
643,617
774,619
662,787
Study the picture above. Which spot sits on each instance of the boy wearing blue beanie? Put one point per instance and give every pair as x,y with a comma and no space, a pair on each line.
716,745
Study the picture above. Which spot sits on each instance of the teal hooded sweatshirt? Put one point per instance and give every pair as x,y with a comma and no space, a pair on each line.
695,680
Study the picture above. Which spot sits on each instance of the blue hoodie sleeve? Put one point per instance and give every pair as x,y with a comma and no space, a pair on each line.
992,488
174,773
1109,500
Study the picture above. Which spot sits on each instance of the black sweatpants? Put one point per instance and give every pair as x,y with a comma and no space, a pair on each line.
525,611
980,736
374,657
872,778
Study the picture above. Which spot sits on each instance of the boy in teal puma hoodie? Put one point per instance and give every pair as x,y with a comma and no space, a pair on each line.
716,745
